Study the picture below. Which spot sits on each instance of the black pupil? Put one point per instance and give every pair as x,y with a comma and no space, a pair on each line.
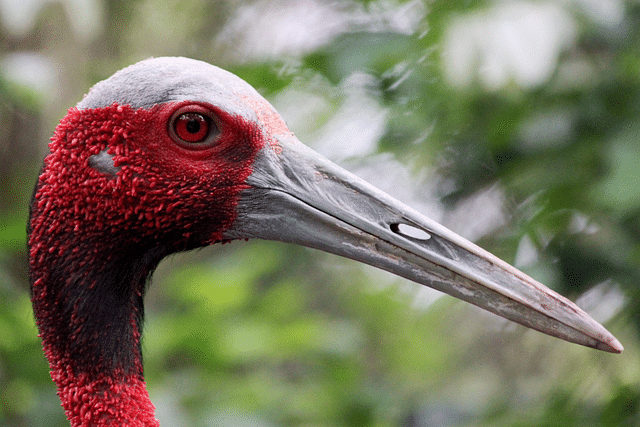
193,126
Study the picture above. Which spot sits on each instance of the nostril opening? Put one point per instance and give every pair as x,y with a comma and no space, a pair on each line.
406,230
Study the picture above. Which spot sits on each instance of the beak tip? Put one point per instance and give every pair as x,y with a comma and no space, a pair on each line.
611,345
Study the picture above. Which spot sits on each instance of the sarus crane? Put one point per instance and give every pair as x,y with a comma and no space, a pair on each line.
172,154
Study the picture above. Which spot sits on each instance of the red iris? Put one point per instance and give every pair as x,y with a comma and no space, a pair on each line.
192,127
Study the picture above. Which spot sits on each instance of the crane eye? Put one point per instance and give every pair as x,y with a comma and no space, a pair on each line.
193,128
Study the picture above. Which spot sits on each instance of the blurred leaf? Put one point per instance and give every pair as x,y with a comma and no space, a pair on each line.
620,189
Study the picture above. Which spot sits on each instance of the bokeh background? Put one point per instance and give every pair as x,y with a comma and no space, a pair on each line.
514,123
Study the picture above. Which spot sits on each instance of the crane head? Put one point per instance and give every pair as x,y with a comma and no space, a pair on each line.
171,154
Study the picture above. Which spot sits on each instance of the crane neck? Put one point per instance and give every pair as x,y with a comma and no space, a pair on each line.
88,305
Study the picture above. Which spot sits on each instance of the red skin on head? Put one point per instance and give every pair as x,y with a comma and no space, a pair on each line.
94,237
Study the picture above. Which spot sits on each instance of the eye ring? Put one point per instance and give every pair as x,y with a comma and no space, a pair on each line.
193,127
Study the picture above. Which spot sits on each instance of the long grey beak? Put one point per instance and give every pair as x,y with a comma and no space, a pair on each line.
297,196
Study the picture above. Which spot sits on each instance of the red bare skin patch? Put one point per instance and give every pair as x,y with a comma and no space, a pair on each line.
160,184
94,237
102,401
272,122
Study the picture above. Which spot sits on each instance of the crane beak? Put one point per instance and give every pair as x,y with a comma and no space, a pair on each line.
298,196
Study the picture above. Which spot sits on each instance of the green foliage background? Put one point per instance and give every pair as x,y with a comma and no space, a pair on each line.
265,334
